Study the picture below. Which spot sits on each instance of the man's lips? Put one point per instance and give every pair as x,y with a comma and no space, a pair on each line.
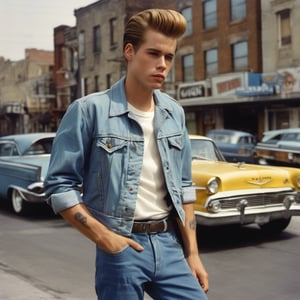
159,77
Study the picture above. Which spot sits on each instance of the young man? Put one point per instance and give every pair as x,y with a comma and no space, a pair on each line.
129,149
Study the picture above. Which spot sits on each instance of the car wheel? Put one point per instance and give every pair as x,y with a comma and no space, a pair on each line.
18,204
276,226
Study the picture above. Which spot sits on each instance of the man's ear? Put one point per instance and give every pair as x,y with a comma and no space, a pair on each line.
128,51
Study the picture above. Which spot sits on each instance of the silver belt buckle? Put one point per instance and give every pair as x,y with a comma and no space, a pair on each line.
165,225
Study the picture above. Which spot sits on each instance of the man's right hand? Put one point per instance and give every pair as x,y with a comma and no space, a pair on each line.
79,217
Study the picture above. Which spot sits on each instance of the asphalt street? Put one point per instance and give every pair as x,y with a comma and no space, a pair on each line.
43,258
14,286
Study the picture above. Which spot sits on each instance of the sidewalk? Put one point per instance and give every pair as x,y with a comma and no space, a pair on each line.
12,287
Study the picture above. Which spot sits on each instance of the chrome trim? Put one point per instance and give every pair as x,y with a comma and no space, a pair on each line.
30,196
249,217
277,149
249,192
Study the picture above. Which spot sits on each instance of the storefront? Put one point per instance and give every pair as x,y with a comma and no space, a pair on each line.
241,101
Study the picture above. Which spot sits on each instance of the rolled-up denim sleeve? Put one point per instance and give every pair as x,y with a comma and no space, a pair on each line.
66,167
65,200
189,192
189,195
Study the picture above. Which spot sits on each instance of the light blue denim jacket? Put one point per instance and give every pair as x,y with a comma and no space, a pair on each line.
99,145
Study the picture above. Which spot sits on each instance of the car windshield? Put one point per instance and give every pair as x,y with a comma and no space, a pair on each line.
204,149
224,138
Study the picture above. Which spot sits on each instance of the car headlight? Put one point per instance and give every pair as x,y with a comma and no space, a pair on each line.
213,185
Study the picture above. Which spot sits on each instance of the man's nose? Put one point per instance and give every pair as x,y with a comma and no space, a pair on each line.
162,62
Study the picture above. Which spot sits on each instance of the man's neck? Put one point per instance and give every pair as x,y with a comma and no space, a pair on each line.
138,97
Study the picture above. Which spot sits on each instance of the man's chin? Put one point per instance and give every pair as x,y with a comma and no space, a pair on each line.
157,85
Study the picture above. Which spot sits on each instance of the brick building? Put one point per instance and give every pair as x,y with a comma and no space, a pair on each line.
225,44
246,66
281,42
25,92
65,71
226,72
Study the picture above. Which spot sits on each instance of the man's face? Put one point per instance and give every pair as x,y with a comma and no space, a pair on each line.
151,63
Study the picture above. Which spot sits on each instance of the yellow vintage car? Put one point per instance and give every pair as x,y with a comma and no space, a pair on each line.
239,193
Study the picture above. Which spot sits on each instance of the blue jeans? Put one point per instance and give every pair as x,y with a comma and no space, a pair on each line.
160,269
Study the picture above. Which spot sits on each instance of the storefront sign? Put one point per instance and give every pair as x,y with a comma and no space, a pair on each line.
192,90
227,84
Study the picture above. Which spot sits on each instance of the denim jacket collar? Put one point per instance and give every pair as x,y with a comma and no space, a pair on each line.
119,104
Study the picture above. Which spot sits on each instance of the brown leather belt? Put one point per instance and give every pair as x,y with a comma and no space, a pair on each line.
153,226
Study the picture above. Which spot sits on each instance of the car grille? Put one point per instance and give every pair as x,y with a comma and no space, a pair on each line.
253,200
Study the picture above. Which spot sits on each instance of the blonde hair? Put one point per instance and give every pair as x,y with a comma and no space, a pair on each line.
168,22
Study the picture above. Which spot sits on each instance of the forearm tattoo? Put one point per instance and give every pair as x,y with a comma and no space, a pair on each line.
81,219
193,224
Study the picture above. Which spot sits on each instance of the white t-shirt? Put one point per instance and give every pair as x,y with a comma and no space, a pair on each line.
152,192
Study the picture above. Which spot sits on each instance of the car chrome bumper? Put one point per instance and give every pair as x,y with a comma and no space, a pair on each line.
257,215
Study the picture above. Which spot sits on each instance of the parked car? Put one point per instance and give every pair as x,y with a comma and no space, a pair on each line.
280,147
240,193
236,146
24,160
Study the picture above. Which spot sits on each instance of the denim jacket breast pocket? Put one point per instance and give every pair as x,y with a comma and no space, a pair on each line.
111,151
109,165
175,146
111,144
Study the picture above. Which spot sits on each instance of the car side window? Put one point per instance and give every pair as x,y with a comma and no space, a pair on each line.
35,149
43,146
243,140
8,150
274,140
247,140
15,151
289,137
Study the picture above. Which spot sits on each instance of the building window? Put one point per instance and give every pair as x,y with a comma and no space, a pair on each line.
84,86
96,39
112,31
108,81
70,59
188,67
240,56
96,83
284,27
211,62
187,13
81,45
238,9
191,122
278,119
210,14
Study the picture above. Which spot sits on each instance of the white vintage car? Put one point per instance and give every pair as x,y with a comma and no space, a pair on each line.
24,160
279,147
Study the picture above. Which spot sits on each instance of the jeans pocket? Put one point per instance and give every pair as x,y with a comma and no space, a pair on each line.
119,252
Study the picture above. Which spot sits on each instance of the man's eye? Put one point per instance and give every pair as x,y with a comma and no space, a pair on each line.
169,57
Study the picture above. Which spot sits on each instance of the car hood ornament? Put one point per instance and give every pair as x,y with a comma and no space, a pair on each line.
260,180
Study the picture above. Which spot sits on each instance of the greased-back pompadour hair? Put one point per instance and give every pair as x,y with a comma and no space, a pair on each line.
168,22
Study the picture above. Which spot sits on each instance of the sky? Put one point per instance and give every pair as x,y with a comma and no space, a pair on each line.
30,24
